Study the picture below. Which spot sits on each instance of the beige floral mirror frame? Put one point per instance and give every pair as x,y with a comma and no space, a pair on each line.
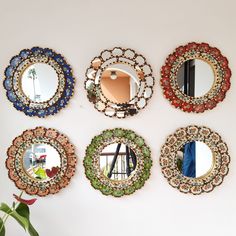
132,60
36,179
169,160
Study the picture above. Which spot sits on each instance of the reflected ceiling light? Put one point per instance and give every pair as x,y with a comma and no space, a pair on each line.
113,75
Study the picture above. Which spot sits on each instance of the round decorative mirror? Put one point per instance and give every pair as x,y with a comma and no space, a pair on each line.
117,162
119,82
39,82
194,159
191,78
41,161
195,77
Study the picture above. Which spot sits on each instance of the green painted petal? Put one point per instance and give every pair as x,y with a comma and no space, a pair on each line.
130,135
107,134
119,132
118,193
106,190
139,141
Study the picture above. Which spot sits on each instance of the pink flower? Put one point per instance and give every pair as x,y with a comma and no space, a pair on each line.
27,202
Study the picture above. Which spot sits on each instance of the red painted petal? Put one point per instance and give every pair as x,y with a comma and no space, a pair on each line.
27,202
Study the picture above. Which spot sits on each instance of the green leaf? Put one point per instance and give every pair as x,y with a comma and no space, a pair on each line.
23,210
20,219
2,228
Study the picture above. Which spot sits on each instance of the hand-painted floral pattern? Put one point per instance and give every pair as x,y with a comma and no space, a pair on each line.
168,160
174,61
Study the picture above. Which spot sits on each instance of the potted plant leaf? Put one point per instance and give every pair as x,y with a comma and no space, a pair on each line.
20,212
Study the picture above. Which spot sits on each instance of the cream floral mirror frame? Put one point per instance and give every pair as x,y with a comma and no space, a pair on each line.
169,160
114,57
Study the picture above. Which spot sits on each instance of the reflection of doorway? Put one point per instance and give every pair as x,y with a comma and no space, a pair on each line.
119,85
186,78
119,90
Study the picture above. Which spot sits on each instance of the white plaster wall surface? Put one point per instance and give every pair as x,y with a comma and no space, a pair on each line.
80,30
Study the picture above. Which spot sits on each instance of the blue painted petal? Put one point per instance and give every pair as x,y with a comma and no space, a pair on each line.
9,71
19,106
37,50
70,80
41,113
69,92
25,53
30,111
67,69
7,84
11,96
59,59
15,61
48,52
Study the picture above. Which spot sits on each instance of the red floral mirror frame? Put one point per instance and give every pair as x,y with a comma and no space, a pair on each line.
209,54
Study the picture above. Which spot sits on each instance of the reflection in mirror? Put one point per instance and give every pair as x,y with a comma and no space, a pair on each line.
39,82
117,161
41,161
119,83
195,159
195,78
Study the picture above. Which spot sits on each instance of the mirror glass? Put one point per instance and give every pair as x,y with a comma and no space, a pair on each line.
39,82
195,159
41,161
195,78
119,83
117,161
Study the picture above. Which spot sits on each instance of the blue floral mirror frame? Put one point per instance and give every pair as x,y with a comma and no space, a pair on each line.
12,82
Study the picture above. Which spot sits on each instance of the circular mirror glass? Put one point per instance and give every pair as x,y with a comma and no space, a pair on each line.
39,82
41,161
117,161
195,77
119,83
195,159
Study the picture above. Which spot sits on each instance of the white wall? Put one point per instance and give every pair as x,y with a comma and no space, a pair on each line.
80,30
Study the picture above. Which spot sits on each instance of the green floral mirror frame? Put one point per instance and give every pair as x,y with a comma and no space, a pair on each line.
41,161
117,162
208,153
